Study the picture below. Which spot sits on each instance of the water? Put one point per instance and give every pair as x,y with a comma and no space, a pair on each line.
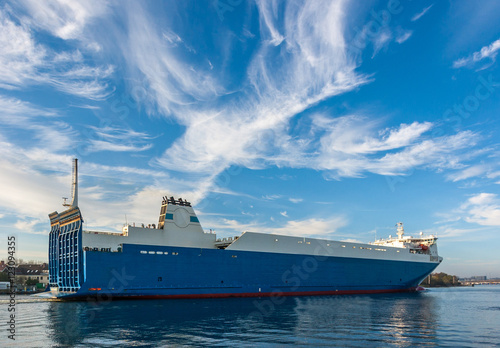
468,317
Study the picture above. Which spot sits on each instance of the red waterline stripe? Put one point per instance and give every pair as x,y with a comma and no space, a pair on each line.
107,296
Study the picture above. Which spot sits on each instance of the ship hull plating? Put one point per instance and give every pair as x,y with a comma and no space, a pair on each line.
145,271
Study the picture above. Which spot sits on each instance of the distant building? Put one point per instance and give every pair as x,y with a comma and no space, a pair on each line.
3,266
474,279
39,272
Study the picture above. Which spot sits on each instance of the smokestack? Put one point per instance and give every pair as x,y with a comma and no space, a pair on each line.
74,202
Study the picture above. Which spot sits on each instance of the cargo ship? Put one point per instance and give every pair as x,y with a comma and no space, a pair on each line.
177,258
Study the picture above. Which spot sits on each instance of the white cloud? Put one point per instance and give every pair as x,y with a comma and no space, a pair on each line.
381,40
487,52
30,226
301,61
403,36
99,145
450,233
17,112
171,81
268,16
252,126
483,209
419,15
350,146
37,178
68,57
283,213
493,175
312,227
23,62
41,124
64,19
469,172
23,189
20,55
295,200
271,197
351,135
482,198
118,140
172,37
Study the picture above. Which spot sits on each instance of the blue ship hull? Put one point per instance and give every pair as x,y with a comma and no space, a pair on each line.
178,259
180,272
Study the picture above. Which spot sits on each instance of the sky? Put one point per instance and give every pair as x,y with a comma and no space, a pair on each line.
329,119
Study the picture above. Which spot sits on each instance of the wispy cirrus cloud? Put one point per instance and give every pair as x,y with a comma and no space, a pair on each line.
39,176
420,14
381,40
351,134
16,111
24,62
282,84
20,55
172,83
119,140
301,60
403,35
41,125
351,146
487,52
469,172
64,19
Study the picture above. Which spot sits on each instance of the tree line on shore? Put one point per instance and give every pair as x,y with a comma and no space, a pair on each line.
440,279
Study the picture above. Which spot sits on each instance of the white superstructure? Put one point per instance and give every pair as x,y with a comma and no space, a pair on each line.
179,226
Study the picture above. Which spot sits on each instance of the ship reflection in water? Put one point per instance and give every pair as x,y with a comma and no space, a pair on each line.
401,319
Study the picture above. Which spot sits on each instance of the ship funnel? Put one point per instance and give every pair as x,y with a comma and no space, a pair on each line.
74,184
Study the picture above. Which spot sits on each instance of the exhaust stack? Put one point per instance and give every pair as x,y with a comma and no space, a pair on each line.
74,187
74,184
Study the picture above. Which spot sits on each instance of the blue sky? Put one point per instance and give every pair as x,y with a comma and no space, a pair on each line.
330,119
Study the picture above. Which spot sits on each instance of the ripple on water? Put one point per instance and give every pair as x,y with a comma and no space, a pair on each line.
404,320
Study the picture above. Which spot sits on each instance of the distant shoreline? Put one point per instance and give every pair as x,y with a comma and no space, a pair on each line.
458,285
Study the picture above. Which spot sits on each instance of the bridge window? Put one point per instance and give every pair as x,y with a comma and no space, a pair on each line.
194,219
169,216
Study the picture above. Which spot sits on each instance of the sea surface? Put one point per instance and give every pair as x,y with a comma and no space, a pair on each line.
453,317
